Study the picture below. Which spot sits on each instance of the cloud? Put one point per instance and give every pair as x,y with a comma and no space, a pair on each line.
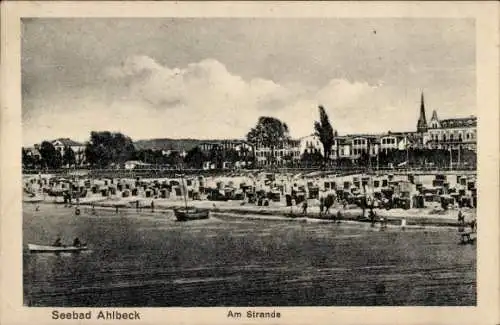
146,99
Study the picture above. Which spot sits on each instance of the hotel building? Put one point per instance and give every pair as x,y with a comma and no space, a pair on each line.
445,134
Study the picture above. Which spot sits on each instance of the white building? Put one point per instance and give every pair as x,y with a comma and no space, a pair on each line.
77,147
286,151
310,144
133,164
454,133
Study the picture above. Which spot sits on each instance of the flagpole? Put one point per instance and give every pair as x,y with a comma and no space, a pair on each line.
451,158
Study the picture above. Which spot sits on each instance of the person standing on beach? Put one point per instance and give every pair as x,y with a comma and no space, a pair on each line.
304,207
338,217
152,205
461,218
372,217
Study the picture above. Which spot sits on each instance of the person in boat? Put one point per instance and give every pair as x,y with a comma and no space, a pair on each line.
58,242
77,242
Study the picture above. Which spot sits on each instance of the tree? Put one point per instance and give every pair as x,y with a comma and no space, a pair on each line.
69,157
217,156
105,148
27,159
195,158
232,155
174,159
311,158
364,159
269,132
323,129
51,158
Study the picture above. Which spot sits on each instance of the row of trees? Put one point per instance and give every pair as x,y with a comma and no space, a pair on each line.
195,157
106,149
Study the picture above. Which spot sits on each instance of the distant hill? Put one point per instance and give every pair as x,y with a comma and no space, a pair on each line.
172,144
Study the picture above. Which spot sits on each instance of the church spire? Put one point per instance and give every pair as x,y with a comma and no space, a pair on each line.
422,121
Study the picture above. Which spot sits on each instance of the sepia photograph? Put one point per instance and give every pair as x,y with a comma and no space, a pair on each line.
287,163
236,162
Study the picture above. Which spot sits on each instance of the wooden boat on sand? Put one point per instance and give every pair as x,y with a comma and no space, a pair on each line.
190,213
187,214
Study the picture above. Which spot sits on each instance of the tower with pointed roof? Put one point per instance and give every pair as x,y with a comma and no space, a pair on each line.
422,121
434,122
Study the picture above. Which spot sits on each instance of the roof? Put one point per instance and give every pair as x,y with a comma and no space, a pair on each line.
364,135
68,142
459,122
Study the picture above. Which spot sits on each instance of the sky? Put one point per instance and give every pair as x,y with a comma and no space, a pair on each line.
211,78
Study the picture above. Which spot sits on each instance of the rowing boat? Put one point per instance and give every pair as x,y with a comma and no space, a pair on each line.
49,249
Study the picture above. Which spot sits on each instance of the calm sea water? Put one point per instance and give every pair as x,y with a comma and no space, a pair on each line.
152,260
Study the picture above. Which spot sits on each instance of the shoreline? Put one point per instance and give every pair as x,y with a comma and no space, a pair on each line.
393,217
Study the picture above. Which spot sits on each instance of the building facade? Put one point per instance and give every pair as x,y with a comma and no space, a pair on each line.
454,133
445,134
77,147
285,152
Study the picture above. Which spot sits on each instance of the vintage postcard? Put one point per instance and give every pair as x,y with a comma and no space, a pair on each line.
244,163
